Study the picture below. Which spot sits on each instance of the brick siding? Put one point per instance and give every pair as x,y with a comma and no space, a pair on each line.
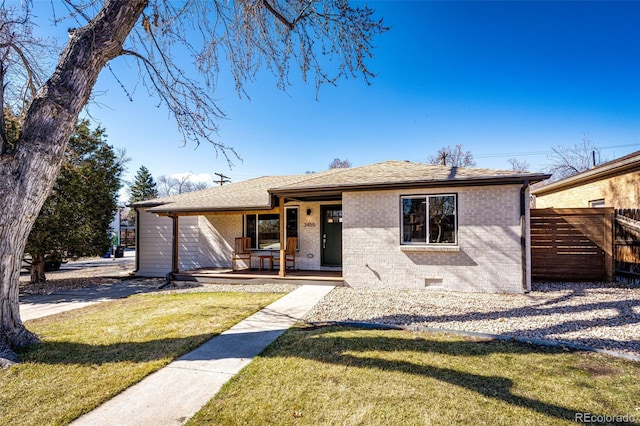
621,192
488,256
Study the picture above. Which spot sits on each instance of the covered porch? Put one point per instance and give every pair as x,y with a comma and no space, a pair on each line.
316,252
195,235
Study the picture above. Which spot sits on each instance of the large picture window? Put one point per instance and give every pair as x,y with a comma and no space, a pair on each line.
264,229
429,219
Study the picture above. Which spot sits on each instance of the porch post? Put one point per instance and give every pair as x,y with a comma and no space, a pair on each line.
174,245
283,224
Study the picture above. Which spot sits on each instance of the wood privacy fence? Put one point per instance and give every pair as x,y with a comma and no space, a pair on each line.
627,245
572,244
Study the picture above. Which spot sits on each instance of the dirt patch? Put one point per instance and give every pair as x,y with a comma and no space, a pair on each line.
597,369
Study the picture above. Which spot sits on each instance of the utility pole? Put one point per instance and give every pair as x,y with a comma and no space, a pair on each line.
223,179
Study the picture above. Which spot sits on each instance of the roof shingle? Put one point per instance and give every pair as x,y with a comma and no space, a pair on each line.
256,194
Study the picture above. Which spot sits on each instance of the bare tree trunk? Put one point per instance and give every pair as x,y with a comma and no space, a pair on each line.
37,269
28,173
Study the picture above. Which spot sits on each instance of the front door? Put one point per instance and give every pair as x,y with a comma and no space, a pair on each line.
331,234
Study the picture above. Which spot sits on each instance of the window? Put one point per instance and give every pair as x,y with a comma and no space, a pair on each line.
597,203
264,229
334,216
429,219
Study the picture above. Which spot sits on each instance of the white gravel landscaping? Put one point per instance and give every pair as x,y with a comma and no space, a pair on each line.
604,316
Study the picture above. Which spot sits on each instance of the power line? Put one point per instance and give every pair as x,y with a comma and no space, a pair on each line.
531,153
512,154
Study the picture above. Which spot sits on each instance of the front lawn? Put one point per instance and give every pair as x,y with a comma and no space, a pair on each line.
342,376
89,355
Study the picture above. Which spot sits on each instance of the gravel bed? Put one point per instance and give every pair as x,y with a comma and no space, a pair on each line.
604,315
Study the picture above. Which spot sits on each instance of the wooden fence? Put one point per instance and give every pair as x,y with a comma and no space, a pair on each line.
627,245
572,244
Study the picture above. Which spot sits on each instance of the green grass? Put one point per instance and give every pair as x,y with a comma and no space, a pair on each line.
89,355
342,376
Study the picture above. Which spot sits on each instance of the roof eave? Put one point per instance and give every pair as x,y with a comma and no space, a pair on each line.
168,210
597,173
339,188
145,204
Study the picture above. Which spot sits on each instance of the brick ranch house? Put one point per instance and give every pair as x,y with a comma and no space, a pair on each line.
391,224
612,184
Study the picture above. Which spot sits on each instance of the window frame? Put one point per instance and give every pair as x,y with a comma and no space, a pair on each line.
256,245
426,242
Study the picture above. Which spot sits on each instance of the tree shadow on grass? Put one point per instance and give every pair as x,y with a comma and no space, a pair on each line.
237,345
320,344
64,352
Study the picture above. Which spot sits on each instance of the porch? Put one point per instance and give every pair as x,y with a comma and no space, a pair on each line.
301,276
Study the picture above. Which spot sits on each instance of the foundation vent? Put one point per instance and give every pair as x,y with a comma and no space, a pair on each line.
433,283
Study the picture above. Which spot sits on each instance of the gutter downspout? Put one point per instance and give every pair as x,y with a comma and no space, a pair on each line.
523,235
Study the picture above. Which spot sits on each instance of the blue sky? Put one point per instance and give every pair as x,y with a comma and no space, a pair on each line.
505,79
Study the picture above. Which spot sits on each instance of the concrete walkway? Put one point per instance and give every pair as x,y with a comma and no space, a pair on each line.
175,393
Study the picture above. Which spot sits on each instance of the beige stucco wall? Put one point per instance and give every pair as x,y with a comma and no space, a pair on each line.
621,192
488,256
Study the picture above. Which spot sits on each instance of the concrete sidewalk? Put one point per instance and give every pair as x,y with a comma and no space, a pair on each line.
175,393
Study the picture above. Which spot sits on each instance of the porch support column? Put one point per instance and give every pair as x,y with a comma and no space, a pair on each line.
174,245
283,224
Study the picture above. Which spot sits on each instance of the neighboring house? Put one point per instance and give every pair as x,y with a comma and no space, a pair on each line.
613,184
392,224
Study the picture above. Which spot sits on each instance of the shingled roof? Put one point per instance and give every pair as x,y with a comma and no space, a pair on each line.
405,174
252,194
257,194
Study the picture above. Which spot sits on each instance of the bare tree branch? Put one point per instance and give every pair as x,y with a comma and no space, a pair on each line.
565,161
277,14
518,165
22,55
454,157
340,164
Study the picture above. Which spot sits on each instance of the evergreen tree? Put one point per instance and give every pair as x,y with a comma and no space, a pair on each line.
143,187
75,219
11,123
